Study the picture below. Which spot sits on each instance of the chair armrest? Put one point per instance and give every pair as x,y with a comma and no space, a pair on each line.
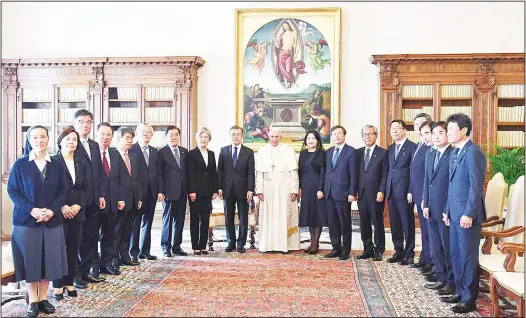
492,223
486,247
511,250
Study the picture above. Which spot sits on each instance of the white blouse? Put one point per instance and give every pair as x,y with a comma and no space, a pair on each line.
205,156
70,163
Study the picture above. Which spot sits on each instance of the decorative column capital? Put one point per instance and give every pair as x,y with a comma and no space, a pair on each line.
10,80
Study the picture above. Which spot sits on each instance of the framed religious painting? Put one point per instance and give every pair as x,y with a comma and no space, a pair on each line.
288,73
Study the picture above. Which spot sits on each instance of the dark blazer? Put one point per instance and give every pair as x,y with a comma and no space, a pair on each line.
241,178
78,192
95,168
436,183
320,172
343,179
372,180
151,171
130,185
397,185
173,179
466,184
417,171
111,188
27,189
202,179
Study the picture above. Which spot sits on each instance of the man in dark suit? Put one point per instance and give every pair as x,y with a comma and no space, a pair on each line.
465,211
372,177
131,198
142,225
416,182
110,189
436,183
340,189
173,186
401,215
236,175
88,150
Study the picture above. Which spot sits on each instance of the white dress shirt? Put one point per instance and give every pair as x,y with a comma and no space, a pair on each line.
40,165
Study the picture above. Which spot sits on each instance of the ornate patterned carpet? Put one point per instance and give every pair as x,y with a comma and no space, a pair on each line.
257,284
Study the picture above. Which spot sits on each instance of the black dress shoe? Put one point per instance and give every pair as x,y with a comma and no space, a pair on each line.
71,293
110,270
462,307
344,257
446,290
45,307
204,252
307,250
377,256
430,273
197,253
365,256
417,265
135,260
397,257
407,261
453,299
426,268
180,253
95,273
229,249
59,297
241,249
90,279
435,286
167,254
333,254
431,279
312,252
129,263
32,309
80,284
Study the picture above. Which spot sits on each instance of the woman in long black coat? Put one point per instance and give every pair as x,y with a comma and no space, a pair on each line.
311,174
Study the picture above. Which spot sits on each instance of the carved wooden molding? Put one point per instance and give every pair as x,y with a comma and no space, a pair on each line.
96,82
10,79
485,78
405,58
389,76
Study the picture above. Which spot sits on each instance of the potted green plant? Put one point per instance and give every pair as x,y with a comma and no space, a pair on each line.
509,162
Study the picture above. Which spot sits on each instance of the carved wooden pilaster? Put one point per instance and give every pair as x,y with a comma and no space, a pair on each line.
10,88
186,94
389,100
485,120
96,86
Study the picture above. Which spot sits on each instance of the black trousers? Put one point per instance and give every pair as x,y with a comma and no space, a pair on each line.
199,221
402,220
174,213
123,229
106,223
89,238
141,236
339,217
372,212
72,236
242,211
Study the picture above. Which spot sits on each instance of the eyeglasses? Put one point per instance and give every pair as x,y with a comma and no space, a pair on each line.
397,128
368,134
82,122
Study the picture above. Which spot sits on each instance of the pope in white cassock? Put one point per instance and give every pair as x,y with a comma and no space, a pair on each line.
277,187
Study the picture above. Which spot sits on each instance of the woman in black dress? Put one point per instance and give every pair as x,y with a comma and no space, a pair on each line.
311,174
37,186
202,189
79,183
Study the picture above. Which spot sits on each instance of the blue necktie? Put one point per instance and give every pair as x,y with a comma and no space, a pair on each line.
397,150
234,157
367,157
437,158
146,155
455,156
335,157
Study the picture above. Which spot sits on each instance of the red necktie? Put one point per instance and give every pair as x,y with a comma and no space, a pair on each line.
105,164
127,162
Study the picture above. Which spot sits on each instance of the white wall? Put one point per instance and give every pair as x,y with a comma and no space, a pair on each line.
38,30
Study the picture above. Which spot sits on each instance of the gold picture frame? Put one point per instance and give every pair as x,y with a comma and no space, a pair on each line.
287,73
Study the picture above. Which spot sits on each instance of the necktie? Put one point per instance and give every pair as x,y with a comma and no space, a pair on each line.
367,157
397,150
105,164
86,146
177,157
455,156
127,162
234,157
146,155
335,157
417,148
437,158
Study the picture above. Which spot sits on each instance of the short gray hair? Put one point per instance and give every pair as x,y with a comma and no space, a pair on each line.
204,130
370,126
123,131
141,127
